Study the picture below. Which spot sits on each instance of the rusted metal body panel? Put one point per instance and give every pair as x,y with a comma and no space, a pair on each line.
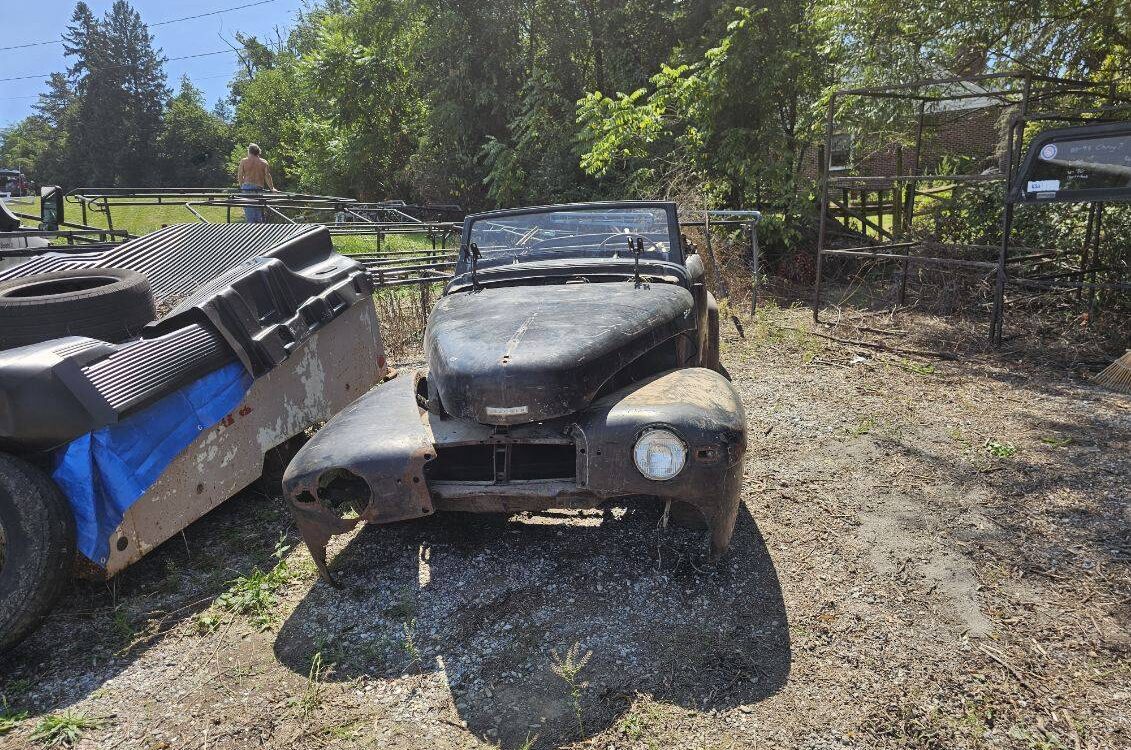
574,368
386,441
513,355
321,377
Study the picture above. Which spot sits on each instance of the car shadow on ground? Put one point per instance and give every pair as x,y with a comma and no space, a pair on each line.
484,604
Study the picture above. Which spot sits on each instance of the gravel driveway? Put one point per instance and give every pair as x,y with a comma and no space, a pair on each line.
931,554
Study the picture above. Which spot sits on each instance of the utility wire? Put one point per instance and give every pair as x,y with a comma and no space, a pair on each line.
111,67
151,25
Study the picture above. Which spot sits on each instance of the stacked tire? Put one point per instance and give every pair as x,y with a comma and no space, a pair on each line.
108,304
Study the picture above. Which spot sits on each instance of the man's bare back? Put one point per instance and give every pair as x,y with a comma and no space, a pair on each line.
255,170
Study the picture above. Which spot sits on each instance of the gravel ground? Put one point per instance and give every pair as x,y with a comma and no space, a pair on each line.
931,554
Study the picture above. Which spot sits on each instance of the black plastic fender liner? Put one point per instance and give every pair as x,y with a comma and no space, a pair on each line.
263,309
256,312
50,393
45,399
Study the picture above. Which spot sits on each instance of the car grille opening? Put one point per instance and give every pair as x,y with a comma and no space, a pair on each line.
502,462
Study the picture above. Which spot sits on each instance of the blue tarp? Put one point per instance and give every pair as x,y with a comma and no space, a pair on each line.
104,472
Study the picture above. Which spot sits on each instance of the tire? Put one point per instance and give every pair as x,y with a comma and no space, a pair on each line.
37,550
108,304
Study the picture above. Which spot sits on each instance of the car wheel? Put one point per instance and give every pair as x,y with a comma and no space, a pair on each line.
108,304
37,548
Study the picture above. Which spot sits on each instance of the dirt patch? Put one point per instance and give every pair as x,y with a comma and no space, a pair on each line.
931,554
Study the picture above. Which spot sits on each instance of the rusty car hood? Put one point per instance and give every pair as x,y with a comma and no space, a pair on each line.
510,355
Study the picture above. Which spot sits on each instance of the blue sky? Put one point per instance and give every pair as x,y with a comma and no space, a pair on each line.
28,21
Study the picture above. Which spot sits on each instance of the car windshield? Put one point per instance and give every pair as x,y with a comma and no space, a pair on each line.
572,233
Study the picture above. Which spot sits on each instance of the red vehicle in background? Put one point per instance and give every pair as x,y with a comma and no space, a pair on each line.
13,184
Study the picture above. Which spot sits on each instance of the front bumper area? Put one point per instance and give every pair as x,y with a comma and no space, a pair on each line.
386,459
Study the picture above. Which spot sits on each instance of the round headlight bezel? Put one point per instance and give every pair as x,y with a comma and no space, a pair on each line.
664,435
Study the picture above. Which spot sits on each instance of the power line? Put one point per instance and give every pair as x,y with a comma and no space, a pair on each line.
213,13
111,67
151,25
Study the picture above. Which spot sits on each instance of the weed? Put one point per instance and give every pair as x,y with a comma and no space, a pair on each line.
1056,442
65,729
569,668
957,436
639,720
529,743
206,623
346,731
379,651
1037,739
171,583
16,688
999,449
631,726
916,367
863,427
404,609
978,715
121,627
253,595
409,642
9,719
311,698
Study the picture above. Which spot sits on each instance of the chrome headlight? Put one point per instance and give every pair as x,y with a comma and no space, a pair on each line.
659,454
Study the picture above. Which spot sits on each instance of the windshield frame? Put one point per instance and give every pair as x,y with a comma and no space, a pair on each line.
675,243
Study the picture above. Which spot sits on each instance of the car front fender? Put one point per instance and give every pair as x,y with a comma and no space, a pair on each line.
365,464
700,406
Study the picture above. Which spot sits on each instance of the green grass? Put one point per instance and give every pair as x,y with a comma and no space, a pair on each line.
65,729
145,219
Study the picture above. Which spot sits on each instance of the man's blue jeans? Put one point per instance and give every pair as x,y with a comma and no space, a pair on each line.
252,214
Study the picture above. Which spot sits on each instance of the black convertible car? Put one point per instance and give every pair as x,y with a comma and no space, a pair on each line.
573,360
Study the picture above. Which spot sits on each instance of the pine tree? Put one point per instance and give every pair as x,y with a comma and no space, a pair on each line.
119,80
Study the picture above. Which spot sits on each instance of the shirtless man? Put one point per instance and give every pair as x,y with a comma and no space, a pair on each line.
254,174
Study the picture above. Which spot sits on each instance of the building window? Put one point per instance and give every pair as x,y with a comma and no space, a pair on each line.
840,152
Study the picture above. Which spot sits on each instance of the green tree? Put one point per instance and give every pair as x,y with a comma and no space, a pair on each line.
733,125
194,144
119,82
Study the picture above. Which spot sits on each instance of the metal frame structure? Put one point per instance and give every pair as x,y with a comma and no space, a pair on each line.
895,244
344,217
735,219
